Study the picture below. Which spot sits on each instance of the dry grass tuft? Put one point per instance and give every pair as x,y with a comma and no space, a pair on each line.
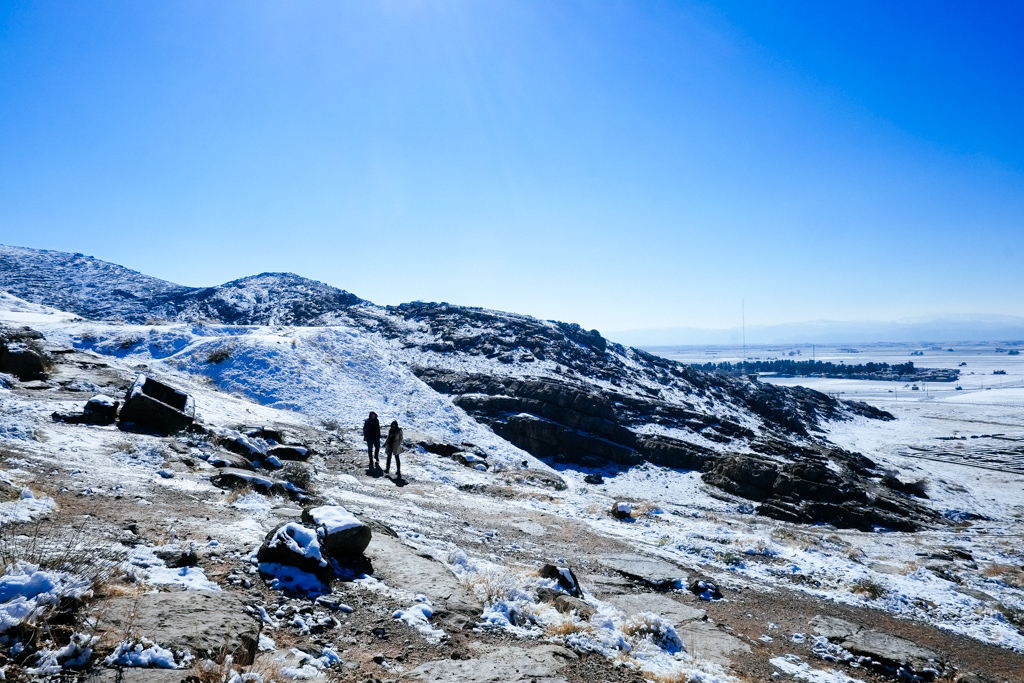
565,628
1009,574
220,670
491,585
872,589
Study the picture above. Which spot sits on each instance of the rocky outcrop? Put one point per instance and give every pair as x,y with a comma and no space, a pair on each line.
157,407
22,354
812,491
554,389
887,654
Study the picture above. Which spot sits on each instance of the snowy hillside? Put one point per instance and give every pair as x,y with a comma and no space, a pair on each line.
459,590
552,389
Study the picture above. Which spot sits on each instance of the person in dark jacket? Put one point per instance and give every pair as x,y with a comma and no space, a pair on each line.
393,446
371,435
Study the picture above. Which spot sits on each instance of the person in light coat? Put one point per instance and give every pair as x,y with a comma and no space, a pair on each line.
393,446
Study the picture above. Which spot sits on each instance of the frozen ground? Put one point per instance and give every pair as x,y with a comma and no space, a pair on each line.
493,529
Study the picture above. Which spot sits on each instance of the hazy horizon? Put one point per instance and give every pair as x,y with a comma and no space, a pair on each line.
624,165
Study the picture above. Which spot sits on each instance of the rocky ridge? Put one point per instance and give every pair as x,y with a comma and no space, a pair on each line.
554,389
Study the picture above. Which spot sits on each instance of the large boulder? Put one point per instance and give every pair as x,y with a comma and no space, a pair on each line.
22,355
243,445
341,532
100,410
222,459
157,407
293,545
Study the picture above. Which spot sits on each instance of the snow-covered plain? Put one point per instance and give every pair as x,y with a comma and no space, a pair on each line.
309,376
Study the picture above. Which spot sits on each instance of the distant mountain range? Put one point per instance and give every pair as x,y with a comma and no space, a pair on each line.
946,329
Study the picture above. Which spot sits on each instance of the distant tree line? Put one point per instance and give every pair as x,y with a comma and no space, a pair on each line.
802,368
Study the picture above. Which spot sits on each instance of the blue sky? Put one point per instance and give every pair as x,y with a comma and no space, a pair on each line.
621,165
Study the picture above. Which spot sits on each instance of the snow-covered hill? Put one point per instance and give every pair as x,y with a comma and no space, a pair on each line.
553,389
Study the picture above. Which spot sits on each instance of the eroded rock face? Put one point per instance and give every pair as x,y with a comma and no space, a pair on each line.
812,491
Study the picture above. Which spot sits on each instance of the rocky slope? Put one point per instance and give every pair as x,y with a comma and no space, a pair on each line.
133,555
553,389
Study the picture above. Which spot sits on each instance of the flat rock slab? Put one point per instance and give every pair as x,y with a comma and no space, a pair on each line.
400,566
652,570
707,641
528,526
881,647
207,623
892,649
603,586
833,628
540,664
659,603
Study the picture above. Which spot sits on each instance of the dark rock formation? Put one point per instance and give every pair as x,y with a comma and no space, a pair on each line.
289,452
811,491
565,577
155,406
22,354
99,410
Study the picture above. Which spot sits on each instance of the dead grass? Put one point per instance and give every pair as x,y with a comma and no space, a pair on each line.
869,588
239,492
219,355
59,545
490,584
644,509
564,628
1009,574
219,669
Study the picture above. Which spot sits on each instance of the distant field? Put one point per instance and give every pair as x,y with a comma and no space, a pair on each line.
981,425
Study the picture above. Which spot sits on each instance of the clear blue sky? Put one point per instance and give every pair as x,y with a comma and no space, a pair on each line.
621,165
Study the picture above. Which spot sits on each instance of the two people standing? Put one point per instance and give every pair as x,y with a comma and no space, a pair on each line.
392,445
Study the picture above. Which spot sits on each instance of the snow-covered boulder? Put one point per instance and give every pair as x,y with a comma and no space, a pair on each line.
101,410
565,578
622,510
234,478
293,545
341,532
